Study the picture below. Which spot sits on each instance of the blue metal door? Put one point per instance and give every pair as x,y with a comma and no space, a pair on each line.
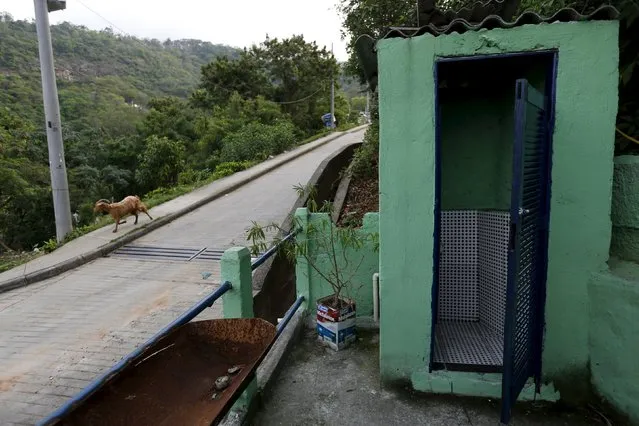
525,294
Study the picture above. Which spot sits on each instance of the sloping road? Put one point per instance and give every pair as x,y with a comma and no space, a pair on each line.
58,334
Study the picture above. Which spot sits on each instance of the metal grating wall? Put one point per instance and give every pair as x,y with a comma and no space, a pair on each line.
472,287
493,232
458,283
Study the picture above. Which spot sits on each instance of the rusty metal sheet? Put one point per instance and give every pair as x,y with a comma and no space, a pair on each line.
175,383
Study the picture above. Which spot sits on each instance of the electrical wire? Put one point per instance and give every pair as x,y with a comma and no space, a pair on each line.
300,100
103,18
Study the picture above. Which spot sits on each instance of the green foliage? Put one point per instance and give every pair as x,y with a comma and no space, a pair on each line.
144,116
190,176
49,245
231,167
366,157
372,17
161,162
223,77
323,241
292,73
257,141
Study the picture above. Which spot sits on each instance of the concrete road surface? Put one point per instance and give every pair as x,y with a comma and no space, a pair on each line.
59,334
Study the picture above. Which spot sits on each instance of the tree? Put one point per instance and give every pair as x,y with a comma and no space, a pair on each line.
223,77
25,184
371,17
301,73
160,164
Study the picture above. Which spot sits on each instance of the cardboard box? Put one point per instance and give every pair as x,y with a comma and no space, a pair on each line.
336,328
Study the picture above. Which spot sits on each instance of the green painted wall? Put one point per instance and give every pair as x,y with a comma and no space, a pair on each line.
477,152
614,337
359,264
581,187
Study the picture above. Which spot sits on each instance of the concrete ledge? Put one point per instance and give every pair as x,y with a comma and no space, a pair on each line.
269,368
103,250
475,385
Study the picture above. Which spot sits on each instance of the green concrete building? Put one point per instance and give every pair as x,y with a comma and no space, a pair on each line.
496,163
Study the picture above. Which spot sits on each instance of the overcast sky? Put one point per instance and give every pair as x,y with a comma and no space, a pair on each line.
237,23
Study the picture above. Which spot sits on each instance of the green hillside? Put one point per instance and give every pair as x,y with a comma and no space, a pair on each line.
150,118
97,70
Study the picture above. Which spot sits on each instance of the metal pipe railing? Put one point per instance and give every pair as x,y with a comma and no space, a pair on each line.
289,314
268,253
207,302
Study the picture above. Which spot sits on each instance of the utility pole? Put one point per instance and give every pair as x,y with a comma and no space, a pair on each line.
59,184
332,94
368,106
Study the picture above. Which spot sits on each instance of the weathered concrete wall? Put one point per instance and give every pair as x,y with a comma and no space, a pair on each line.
625,208
358,265
580,225
614,337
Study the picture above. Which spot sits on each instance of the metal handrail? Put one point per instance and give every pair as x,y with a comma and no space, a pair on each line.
289,314
264,257
132,357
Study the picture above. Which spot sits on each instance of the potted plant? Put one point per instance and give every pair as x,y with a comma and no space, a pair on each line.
332,253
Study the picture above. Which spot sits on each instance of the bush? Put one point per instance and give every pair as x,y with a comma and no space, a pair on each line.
365,159
191,176
161,163
231,167
257,141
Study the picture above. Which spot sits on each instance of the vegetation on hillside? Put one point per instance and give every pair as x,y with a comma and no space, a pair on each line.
147,117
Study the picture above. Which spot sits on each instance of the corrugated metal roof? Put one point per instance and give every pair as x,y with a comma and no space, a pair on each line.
473,19
488,15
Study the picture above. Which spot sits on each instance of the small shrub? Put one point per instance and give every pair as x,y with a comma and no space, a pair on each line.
161,163
49,245
190,176
257,141
231,167
365,158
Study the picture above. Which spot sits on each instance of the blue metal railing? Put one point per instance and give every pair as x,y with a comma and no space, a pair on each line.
207,302
183,319
289,314
264,257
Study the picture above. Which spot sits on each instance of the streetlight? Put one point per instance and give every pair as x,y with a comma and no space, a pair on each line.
59,184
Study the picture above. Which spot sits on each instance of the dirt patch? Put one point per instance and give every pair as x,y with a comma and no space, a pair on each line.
7,383
362,197
160,302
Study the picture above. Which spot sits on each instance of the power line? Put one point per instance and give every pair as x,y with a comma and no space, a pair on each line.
300,100
103,18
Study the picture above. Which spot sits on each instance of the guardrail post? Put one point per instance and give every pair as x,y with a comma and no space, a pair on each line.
238,302
236,268
302,268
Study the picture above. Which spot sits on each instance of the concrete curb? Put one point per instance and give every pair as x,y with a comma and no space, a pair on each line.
340,197
103,250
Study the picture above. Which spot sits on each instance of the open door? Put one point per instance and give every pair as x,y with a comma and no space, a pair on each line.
527,252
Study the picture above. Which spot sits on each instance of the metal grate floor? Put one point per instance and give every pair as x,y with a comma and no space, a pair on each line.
471,344
178,254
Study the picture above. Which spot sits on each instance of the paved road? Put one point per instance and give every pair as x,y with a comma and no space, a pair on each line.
57,335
